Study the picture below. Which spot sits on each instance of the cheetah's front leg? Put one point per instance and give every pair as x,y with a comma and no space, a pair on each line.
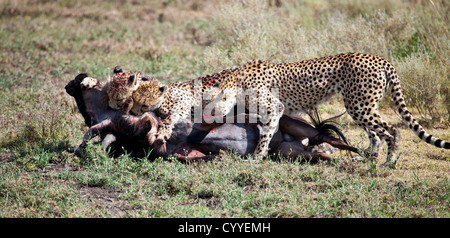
266,133
164,133
166,128
269,123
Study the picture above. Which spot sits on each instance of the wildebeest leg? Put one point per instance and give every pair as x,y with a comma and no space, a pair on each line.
108,140
301,129
95,130
337,143
292,151
297,128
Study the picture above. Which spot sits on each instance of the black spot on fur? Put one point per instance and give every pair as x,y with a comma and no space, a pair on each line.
438,142
421,134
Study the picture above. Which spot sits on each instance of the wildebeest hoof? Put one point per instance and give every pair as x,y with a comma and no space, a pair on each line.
74,150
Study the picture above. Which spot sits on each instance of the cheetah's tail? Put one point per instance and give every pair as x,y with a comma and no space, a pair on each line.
408,119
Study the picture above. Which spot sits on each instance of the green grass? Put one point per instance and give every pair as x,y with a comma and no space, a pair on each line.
228,187
46,43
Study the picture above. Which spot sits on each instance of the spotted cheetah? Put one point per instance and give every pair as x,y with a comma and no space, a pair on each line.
173,102
360,78
120,87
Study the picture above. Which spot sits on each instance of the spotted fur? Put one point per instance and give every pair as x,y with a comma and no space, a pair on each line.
121,86
361,79
176,100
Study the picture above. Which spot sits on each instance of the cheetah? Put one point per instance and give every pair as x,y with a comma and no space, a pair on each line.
173,102
120,87
360,78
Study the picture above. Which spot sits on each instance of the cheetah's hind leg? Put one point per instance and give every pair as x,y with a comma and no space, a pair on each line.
385,132
373,150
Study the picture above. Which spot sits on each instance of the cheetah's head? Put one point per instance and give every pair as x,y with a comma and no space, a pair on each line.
148,96
121,86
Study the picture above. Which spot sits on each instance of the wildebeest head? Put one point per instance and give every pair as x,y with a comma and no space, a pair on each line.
73,88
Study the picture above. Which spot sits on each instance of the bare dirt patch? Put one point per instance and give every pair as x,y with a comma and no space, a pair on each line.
106,199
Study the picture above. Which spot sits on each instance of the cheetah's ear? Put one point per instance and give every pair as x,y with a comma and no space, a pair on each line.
132,80
117,69
162,88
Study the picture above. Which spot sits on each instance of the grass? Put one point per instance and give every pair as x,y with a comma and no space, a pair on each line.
46,43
